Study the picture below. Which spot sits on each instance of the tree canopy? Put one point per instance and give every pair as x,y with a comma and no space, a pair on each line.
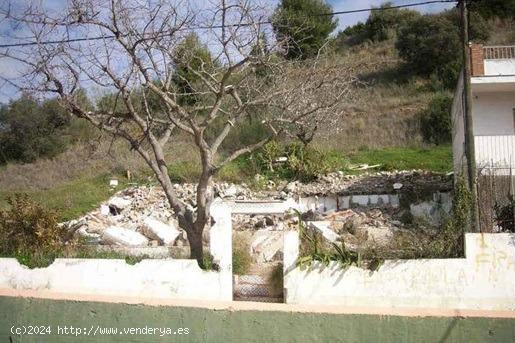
303,26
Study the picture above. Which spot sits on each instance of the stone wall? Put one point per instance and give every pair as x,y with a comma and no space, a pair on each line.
485,279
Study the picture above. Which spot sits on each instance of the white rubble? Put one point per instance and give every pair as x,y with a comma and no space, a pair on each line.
166,234
323,228
119,203
120,236
266,246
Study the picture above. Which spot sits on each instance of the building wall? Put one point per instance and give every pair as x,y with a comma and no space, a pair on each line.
493,113
483,280
230,324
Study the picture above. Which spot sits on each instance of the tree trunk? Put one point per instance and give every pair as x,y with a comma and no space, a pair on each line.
196,248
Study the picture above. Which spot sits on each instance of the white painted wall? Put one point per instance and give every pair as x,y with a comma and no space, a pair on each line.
493,113
168,279
153,278
485,279
500,67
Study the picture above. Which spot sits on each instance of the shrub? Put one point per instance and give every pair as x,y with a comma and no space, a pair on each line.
504,215
431,44
241,260
302,163
436,122
494,8
30,231
381,25
303,26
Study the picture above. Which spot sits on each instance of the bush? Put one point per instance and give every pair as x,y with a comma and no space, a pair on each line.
302,163
381,25
494,8
436,124
303,27
504,215
29,231
431,44
241,261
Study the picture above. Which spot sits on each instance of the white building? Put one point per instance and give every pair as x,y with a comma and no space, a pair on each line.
493,110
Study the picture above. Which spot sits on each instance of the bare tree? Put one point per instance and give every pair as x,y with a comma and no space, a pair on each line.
133,52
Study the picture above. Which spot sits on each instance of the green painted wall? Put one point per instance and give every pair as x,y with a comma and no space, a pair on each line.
240,326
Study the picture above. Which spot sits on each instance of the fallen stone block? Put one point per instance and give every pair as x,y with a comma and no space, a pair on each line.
164,233
324,229
120,236
117,205
267,245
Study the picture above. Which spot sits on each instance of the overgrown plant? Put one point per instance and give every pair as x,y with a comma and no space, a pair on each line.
315,249
505,215
29,231
300,162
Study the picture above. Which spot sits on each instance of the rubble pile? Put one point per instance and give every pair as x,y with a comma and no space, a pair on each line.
141,216
359,227
372,183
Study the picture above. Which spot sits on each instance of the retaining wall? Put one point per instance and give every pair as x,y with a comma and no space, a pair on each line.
485,279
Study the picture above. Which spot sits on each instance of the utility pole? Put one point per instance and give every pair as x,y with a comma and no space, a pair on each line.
469,123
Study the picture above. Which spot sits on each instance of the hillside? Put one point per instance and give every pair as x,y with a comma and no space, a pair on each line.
381,125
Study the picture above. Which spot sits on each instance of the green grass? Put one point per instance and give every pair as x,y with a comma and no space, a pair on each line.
436,159
72,199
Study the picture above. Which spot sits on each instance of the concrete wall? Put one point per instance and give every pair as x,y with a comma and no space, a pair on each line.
485,279
166,279
493,113
500,67
243,323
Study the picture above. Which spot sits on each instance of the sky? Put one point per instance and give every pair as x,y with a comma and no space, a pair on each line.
351,19
7,67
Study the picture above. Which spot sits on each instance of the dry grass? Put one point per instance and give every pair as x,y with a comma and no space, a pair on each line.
84,160
385,107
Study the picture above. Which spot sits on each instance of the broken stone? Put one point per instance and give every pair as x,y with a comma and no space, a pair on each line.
154,229
117,205
311,216
121,236
104,210
325,230
397,186
267,246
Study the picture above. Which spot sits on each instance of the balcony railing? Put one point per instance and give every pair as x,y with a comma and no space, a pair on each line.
495,151
499,52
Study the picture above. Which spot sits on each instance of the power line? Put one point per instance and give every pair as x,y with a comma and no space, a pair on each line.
74,40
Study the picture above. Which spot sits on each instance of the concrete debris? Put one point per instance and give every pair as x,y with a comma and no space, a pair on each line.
363,209
266,246
373,183
323,228
118,204
164,233
120,236
364,167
